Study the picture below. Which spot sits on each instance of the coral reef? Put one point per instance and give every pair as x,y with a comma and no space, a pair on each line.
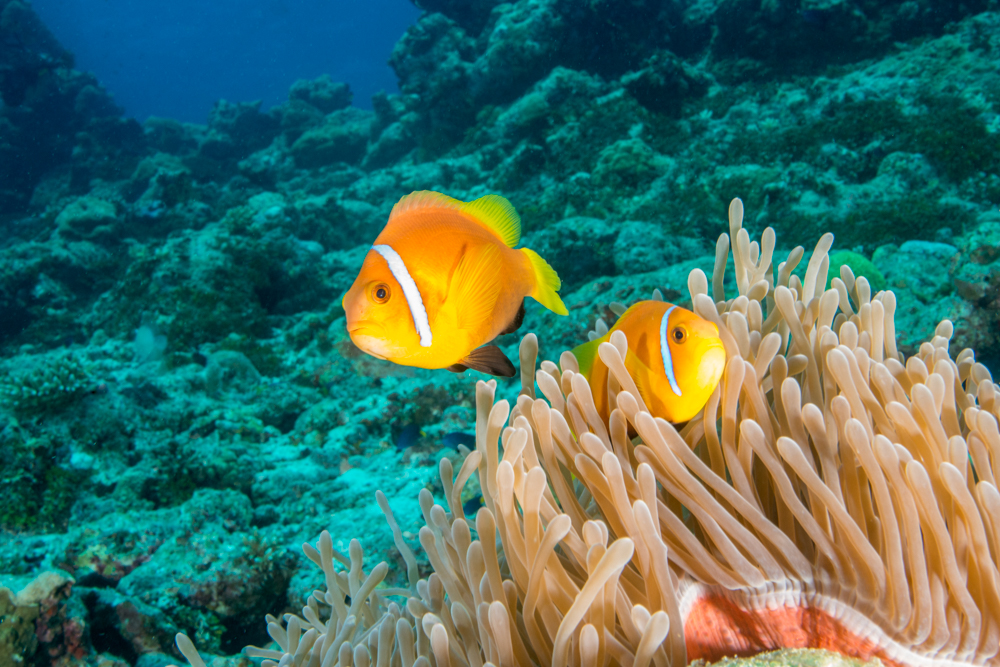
180,405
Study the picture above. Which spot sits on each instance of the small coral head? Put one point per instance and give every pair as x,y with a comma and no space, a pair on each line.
378,317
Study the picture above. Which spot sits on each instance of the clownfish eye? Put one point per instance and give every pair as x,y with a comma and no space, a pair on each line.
679,334
380,293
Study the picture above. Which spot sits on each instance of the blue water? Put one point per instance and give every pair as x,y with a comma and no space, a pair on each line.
175,59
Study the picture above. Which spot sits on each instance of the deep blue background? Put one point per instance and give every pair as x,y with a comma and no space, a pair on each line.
174,58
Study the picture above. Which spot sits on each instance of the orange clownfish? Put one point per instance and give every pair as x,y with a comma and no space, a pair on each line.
442,279
675,357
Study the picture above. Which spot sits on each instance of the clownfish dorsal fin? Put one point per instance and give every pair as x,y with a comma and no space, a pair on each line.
493,212
424,199
498,215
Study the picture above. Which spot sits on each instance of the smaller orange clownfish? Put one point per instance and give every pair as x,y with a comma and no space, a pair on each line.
442,279
675,357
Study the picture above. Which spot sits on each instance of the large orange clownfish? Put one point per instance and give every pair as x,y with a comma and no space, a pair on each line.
442,279
675,357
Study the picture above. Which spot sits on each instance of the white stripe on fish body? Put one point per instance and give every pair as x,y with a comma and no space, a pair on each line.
410,291
668,362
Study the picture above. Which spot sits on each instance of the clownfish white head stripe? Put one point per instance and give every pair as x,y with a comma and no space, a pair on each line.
410,291
668,362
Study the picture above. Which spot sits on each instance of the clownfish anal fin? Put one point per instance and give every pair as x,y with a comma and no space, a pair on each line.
488,359
515,324
475,287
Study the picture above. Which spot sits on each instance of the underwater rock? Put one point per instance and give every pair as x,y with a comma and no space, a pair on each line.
266,167
33,618
143,627
161,177
392,144
41,285
40,134
523,43
204,281
236,130
388,109
18,642
810,34
432,61
976,279
322,93
341,138
642,247
627,163
86,218
169,136
27,50
470,14
232,370
297,117
48,108
919,272
577,248
187,570
815,31
664,83
108,150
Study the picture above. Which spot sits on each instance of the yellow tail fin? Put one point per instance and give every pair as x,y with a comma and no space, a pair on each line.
547,283
586,354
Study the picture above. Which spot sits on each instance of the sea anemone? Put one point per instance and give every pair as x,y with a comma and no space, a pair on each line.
830,495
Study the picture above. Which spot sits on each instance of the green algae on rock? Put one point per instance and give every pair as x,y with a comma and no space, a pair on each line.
859,266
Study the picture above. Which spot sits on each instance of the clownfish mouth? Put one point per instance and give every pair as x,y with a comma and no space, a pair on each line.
369,337
365,327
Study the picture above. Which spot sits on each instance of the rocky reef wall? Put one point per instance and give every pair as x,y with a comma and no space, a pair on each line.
179,403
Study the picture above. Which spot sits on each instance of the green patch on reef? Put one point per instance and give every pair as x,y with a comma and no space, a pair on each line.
260,353
859,266
35,492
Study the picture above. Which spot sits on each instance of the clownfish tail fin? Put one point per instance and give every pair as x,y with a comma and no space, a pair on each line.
586,354
547,283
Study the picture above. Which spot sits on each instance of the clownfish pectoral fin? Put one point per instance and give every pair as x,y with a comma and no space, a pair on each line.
547,283
475,287
641,374
487,359
498,215
515,323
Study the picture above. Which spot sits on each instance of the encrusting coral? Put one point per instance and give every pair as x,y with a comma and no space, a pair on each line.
830,495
